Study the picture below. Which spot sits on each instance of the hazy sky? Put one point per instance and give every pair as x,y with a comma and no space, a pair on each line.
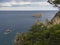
10,3
43,5
20,0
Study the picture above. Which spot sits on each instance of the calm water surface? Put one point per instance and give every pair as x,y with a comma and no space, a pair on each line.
18,21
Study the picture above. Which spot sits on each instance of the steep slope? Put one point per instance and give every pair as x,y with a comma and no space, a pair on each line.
56,19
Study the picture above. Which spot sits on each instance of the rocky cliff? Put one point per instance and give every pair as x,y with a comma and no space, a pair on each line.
56,19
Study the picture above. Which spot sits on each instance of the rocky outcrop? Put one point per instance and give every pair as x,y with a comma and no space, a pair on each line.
37,22
56,19
18,39
47,23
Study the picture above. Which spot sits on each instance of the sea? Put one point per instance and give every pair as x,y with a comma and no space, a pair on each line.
19,21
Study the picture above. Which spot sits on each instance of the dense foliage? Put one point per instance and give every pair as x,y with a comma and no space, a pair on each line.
40,35
56,1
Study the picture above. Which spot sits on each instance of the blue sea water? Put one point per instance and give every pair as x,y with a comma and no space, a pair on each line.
18,21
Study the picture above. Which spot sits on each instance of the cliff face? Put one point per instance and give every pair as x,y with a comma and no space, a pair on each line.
56,19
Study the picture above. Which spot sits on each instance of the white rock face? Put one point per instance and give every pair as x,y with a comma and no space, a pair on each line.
56,20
